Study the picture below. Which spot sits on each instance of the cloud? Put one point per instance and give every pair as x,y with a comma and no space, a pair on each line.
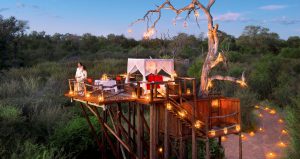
285,21
229,17
22,5
3,9
273,7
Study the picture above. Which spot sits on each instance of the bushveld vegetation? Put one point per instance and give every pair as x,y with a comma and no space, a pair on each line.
38,122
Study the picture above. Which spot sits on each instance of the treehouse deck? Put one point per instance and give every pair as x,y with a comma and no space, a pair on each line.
144,124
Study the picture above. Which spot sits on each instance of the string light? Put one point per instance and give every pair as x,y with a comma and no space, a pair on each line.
182,113
150,32
281,144
169,106
223,138
270,155
215,103
213,133
260,129
188,91
196,13
280,121
100,98
225,131
133,95
197,124
185,24
71,92
284,132
88,95
252,134
273,111
266,108
160,149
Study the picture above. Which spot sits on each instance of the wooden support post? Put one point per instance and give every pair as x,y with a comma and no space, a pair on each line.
134,118
166,135
240,146
184,86
139,133
180,91
104,114
94,132
118,129
207,156
128,124
151,92
194,141
153,133
138,91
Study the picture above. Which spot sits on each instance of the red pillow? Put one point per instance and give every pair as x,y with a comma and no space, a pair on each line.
154,78
89,80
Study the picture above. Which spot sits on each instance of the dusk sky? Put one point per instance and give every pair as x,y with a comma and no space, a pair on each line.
102,17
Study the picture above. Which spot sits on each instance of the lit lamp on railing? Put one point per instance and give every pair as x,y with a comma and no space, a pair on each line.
188,91
238,128
160,150
273,111
147,97
100,98
225,130
71,93
213,133
88,95
104,77
280,121
169,106
197,124
182,113
133,95
215,103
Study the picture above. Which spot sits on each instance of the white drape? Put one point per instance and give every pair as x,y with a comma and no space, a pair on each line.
149,66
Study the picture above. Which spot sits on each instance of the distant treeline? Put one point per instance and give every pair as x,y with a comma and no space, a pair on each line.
18,48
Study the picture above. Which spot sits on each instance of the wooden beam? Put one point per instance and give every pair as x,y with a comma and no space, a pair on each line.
139,133
94,132
153,134
240,146
194,141
166,135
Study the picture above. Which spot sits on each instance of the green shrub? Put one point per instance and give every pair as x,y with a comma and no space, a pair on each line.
290,53
293,120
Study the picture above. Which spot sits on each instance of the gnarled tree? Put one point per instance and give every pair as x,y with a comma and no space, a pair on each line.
214,57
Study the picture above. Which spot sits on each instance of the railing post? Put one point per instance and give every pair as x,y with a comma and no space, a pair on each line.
184,86
151,92
138,90
166,135
194,141
180,91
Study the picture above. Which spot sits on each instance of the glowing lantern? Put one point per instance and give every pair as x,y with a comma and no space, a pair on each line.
88,95
71,92
260,129
100,98
209,84
280,121
257,107
225,130
281,144
147,97
271,155
223,138
284,132
260,115
197,124
252,134
169,106
196,13
104,77
188,91
133,95
243,137
266,108
185,24
213,133
160,149
215,103
150,32
238,128
182,113
273,111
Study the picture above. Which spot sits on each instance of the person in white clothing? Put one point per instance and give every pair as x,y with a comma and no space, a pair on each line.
80,76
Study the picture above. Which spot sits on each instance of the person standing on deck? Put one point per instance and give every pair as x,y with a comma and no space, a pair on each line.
80,76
